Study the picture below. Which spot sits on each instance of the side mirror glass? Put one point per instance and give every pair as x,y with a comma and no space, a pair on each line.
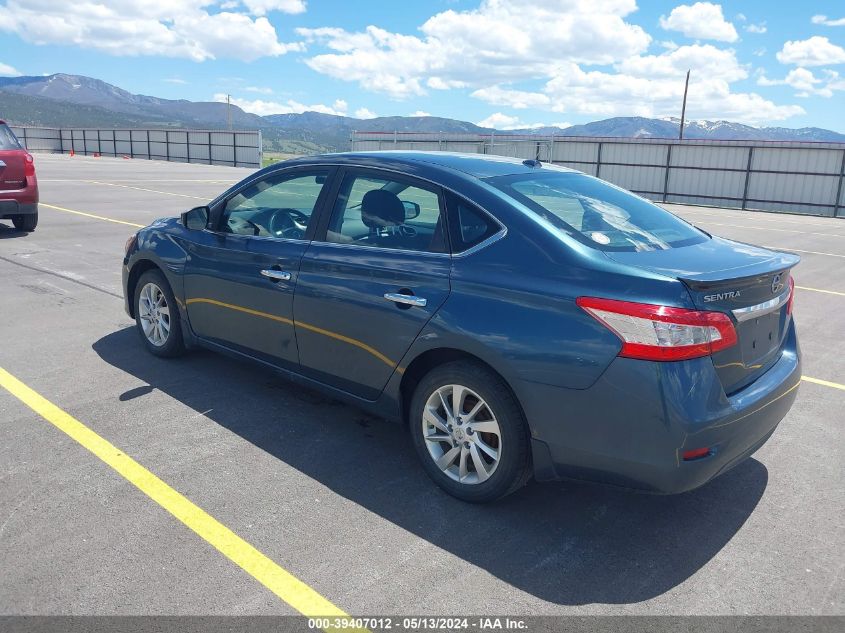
412,209
196,219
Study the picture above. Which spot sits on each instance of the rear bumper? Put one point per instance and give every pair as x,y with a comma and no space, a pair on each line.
632,426
8,208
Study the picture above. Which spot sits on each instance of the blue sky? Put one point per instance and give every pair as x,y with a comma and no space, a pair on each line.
506,63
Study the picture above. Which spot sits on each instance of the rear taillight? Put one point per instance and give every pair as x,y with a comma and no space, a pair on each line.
29,165
653,332
791,295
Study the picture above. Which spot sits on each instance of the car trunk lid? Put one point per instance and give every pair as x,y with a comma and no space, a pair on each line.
749,283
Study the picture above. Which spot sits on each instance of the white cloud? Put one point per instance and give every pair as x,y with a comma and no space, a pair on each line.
816,51
756,28
263,108
702,20
823,19
806,83
8,71
652,86
169,28
501,121
525,54
262,7
175,80
365,113
420,113
705,60
498,41
518,99
259,89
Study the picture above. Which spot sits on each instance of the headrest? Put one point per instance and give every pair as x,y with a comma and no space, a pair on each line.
380,208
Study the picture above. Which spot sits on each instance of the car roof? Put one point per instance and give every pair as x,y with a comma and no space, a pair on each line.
476,165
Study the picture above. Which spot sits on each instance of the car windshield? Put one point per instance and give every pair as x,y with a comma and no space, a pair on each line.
598,214
7,139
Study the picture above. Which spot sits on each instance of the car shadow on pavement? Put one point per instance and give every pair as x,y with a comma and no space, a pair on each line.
567,543
7,231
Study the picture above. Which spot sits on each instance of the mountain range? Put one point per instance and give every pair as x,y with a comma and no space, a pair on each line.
78,101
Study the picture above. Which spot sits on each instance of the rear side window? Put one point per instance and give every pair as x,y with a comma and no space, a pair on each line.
7,138
597,213
468,225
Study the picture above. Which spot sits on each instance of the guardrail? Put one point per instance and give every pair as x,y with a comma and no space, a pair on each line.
238,148
793,177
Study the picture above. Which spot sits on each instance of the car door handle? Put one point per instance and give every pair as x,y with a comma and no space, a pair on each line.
409,300
276,275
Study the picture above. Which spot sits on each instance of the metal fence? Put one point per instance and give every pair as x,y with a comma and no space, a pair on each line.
794,177
212,147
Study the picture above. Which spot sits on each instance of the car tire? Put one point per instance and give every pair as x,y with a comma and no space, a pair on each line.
157,315
459,445
26,222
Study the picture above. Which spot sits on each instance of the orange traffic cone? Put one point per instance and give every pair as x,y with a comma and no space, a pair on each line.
72,153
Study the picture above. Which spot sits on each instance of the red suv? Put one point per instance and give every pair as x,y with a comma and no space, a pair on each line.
18,185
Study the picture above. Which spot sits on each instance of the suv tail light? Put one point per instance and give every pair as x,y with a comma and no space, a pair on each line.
29,165
661,333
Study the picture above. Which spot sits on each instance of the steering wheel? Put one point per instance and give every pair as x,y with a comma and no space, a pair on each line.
233,225
288,223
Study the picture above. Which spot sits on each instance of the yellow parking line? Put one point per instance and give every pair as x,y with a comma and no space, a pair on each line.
827,292
281,582
798,250
89,215
218,182
824,383
167,193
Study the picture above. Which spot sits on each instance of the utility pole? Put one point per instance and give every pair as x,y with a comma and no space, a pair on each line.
229,108
684,109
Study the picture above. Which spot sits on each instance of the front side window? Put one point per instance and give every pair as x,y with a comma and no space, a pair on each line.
278,206
385,213
597,213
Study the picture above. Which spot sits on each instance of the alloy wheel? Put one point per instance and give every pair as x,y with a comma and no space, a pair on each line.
462,434
154,314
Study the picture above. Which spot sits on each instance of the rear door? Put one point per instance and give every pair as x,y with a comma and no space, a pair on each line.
240,275
370,281
12,161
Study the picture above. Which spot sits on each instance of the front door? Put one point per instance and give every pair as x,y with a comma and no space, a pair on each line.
240,275
373,279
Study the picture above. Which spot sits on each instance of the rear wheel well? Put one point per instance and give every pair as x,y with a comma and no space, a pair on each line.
427,361
140,267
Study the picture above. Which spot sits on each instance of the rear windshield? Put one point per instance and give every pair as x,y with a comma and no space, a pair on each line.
7,138
597,213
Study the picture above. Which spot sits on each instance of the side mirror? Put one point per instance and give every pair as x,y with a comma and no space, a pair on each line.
412,209
196,219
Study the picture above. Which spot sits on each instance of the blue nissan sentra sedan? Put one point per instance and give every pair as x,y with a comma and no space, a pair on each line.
520,319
